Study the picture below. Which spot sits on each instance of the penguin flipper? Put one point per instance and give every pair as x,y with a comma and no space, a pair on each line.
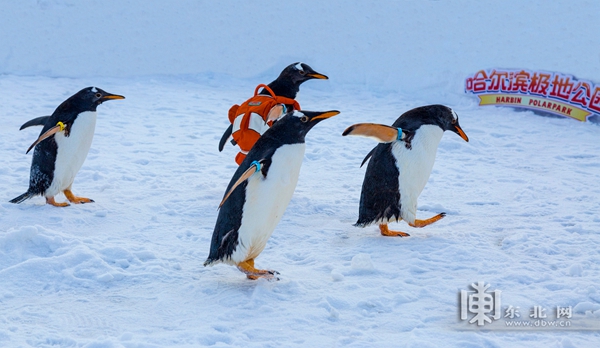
225,136
379,132
22,197
59,127
254,167
38,121
367,157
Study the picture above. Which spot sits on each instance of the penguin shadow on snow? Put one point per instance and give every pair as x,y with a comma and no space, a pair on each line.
400,166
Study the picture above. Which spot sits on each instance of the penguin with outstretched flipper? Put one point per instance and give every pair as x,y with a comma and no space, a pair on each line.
400,165
63,145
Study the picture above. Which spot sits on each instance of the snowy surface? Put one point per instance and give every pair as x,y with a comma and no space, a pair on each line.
522,196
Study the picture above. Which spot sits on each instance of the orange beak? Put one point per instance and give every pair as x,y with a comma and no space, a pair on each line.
113,96
325,115
461,133
318,76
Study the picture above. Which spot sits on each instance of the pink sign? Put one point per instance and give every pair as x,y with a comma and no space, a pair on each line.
555,93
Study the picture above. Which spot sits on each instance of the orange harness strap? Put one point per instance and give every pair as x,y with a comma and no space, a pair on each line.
251,112
279,99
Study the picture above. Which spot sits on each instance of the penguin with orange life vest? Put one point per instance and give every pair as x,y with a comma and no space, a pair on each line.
252,118
400,165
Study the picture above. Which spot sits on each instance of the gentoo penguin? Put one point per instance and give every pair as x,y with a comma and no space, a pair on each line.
286,85
259,193
63,145
400,165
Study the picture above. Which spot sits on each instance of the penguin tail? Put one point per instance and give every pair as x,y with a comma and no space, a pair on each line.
361,224
364,221
209,262
22,197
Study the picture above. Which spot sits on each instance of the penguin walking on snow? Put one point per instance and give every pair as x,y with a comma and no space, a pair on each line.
285,87
63,145
260,191
400,165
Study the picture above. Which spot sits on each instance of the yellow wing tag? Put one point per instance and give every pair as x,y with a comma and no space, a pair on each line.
58,128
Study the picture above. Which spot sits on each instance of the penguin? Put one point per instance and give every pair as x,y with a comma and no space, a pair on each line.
287,84
260,191
63,145
400,165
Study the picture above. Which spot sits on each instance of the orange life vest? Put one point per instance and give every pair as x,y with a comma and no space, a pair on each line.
251,119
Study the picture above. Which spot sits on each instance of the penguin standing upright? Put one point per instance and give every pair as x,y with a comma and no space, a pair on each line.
63,145
400,166
260,191
250,120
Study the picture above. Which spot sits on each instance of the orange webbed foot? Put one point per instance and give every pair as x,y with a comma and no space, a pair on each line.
386,232
51,201
76,200
247,267
423,223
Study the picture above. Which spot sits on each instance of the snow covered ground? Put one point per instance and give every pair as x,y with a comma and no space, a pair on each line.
522,196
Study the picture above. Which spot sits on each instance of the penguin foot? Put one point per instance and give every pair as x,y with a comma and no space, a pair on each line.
423,223
247,267
51,201
386,232
76,200
272,276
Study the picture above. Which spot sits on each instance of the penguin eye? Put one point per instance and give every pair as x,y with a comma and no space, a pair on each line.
453,121
302,72
98,95
304,119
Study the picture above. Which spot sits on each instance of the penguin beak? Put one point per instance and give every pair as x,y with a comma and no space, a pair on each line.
460,132
316,75
111,97
324,115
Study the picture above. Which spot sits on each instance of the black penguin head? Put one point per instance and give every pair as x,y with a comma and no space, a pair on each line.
299,72
439,115
89,98
289,81
309,119
448,120
294,125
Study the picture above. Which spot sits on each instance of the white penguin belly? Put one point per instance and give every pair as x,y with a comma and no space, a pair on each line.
415,166
266,201
72,152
